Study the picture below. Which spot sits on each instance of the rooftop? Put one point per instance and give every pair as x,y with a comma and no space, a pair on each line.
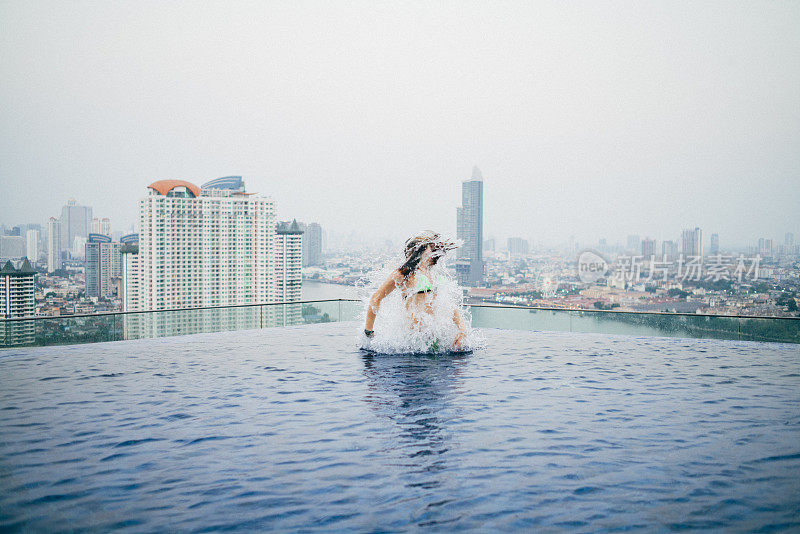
165,186
23,270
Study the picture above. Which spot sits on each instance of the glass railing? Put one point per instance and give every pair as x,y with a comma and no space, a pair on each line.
745,328
117,326
94,328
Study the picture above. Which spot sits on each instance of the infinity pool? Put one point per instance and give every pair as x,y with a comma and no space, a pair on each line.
294,429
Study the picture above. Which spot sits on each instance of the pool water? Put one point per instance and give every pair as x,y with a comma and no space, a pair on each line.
294,428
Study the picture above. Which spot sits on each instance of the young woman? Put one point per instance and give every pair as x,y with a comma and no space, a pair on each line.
417,286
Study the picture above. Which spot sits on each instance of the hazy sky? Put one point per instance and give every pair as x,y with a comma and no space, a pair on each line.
594,119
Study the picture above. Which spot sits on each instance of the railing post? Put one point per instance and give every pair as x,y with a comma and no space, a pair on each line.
340,310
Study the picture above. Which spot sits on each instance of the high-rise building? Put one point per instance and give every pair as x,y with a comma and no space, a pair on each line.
101,226
469,263
16,300
714,247
288,261
32,245
75,221
129,252
788,240
312,244
669,251
78,248
489,244
765,248
204,247
12,247
211,247
634,243
648,248
692,242
53,245
517,245
102,265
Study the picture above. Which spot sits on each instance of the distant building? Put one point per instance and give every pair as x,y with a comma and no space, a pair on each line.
227,184
102,265
312,244
765,248
634,243
209,247
129,253
517,245
54,261
101,226
648,248
489,244
669,251
714,247
16,300
469,263
78,250
213,248
75,221
692,242
32,245
288,256
12,247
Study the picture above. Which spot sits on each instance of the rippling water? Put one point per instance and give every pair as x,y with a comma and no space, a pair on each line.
293,428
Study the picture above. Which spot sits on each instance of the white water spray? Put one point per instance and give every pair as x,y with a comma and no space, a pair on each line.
424,324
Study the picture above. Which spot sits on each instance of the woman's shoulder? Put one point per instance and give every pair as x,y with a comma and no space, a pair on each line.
397,276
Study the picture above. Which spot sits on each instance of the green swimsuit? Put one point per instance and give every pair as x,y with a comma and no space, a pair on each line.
424,284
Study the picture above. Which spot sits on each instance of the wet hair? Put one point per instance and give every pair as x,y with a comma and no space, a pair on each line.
415,248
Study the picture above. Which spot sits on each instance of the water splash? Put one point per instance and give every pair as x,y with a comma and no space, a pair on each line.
425,327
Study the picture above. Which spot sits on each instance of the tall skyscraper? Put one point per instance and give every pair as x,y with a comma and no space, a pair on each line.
32,245
53,245
469,263
312,244
101,226
648,248
213,246
714,247
634,243
288,261
765,247
12,247
692,242
669,251
129,252
78,249
102,265
788,240
517,245
75,221
16,300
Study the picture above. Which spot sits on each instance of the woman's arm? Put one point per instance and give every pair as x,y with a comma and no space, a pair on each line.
462,330
375,302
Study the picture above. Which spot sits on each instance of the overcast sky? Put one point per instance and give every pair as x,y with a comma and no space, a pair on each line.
589,119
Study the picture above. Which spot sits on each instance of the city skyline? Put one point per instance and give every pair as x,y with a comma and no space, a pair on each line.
581,120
